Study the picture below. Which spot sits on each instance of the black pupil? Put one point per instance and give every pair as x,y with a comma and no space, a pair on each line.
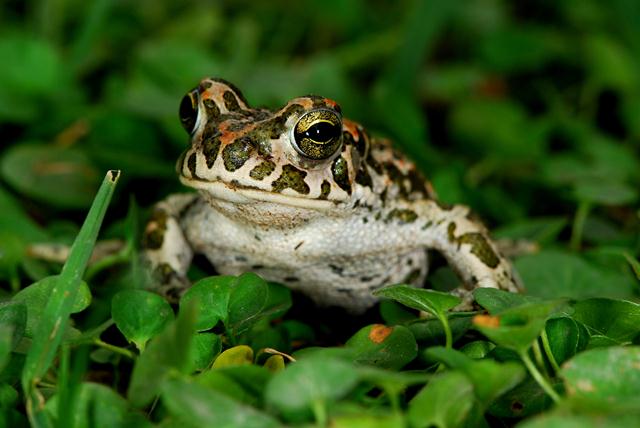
322,132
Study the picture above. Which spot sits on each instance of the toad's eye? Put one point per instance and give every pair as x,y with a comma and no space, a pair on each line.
189,110
317,135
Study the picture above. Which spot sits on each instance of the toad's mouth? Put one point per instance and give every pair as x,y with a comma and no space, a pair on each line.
240,194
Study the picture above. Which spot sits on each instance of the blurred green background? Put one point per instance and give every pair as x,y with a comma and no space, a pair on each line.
528,111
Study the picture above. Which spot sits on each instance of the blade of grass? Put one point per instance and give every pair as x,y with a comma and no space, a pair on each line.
578,225
49,332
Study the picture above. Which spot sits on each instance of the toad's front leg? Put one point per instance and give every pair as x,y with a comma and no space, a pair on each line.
465,244
165,247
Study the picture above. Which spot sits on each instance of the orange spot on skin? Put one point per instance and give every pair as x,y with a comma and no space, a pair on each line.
379,332
330,102
151,226
486,321
351,127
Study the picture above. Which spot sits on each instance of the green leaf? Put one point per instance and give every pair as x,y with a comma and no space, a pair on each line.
6,334
205,347
605,192
393,383
95,405
154,87
482,125
198,406
490,379
609,63
566,338
36,296
212,297
494,300
477,349
559,420
274,363
12,252
13,219
382,346
541,229
251,377
310,381
618,320
220,382
604,378
516,328
431,331
167,353
369,421
247,299
554,273
279,301
61,177
526,399
236,356
49,331
433,302
444,402
521,48
140,315
34,72
14,315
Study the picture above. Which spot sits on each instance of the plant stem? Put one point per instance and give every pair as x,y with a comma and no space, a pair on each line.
14,281
537,353
106,262
113,348
578,225
547,351
64,389
320,413
447,330
537,376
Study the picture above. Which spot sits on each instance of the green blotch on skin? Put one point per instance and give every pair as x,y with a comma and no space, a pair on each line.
263,147
427,225
397,177
325,189
340,172
230,101
417,182
236,154
262,170
291,178
154,235
375,165
480,246
211,109
191,164
275,127
210,149
205,84
363,178
348,139
404,215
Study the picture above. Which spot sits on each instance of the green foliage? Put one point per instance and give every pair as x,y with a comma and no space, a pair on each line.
528,113
140,315
382,346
